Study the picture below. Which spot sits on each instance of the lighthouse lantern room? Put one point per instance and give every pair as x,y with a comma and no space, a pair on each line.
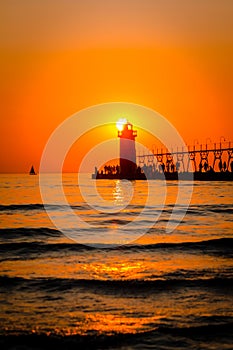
127,137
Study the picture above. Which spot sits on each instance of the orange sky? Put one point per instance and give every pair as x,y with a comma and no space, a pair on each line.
58,57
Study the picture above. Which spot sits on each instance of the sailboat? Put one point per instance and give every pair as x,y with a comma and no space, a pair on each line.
32,171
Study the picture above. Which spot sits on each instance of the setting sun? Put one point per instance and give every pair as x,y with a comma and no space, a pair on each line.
120,123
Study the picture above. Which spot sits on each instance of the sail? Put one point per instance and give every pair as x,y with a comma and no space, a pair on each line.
32,171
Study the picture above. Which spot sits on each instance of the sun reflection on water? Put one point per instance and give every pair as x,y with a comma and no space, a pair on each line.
123,192
110,324
115,270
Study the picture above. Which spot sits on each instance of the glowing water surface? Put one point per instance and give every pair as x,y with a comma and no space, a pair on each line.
51,284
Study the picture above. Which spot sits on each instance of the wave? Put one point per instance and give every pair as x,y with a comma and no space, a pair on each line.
205,209
15,207
26,232
12,248
201,209
204,331
222,243
9,234
116,286
40,207
213,336
28,250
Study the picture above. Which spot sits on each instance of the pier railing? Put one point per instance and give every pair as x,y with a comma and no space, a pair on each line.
200,157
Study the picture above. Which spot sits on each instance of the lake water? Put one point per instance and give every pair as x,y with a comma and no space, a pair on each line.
161,290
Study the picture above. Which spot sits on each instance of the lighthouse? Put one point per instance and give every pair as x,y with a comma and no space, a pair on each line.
128,167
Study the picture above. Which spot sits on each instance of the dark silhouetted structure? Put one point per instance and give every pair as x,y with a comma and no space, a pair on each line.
32,171
175,164
128,168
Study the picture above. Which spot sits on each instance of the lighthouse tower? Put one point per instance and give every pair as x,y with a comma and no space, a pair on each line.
128,165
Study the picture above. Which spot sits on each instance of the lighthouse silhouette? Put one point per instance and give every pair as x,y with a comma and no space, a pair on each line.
128,167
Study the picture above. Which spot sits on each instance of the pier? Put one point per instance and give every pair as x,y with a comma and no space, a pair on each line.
212,161
203,162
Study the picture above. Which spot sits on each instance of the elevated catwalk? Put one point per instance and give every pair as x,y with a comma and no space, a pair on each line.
212,162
